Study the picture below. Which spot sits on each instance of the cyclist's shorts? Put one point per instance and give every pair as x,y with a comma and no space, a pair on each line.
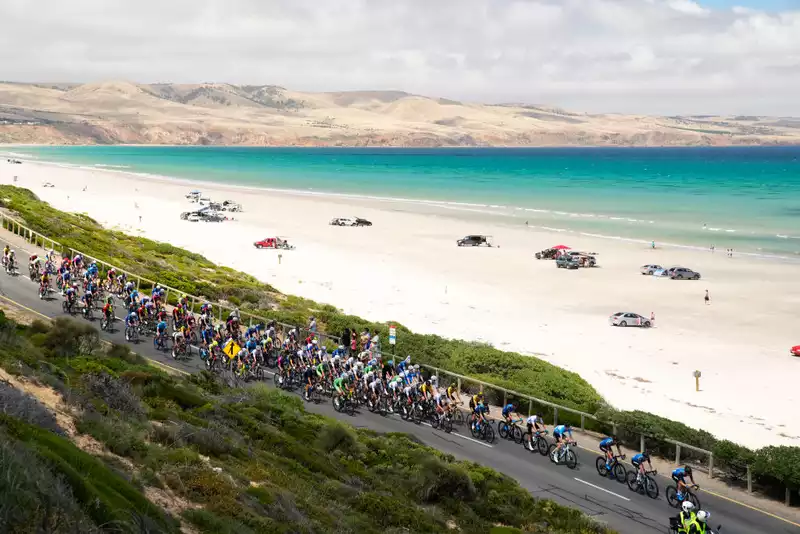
557,435
530,428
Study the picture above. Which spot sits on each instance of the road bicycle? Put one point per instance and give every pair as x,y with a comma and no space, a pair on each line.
673,500
535,442
617,470
566,455
510,431
643,483
482,430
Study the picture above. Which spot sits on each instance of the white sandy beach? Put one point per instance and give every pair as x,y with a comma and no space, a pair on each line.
407,268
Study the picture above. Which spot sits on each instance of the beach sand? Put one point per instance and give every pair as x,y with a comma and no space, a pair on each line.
407,268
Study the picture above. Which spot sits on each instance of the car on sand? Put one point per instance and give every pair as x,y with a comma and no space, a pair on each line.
350,221
629,319
475,241
650,269
567,262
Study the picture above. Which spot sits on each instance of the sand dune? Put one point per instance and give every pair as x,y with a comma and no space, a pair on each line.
219,113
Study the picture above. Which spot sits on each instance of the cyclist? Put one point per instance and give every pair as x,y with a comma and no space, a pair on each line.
559,434
71,294
308,376
44,282
679,476
509,410
638,463
161,331
606,447
453,394
108,309
132,320
532,422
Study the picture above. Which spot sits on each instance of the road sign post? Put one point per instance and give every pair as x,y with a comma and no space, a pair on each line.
697,375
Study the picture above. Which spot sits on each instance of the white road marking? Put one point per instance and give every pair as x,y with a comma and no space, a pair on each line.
466,438
602,489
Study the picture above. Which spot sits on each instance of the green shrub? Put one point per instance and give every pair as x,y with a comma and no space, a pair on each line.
120,437
732,458
779,463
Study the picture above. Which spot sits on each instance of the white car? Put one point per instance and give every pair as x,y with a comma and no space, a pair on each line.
629,319
650,269
350,221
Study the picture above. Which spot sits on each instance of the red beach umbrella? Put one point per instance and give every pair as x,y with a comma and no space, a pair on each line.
561,247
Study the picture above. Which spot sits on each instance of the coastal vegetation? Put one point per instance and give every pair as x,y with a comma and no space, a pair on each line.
92,439
773,467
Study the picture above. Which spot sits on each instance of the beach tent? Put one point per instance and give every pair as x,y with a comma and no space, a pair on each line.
560,247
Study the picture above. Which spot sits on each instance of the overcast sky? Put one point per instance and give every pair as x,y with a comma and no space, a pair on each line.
651,56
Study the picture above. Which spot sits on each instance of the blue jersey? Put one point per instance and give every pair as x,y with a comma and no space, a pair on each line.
561,430
607,442
507,409
252,345
131,318
640,458
679,473
162,326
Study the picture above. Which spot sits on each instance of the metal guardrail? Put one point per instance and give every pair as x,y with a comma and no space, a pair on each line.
38,239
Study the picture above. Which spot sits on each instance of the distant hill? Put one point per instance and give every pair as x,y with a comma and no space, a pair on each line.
224,114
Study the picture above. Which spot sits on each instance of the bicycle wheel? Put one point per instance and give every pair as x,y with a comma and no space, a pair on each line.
600,463
571,459
474,430
541,445
517,434
550,450
350,407
489,434
620,473
672,496
447,424
633,485
651,487
276,379
458,417
502,429
336,401
692,498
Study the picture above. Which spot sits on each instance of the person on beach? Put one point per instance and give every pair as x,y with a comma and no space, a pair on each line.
653,245
707,298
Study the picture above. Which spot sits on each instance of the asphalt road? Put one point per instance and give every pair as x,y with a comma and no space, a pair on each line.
604,499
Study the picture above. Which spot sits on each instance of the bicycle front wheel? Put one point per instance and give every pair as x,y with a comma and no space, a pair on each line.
651,487
620,473
571,459
517,434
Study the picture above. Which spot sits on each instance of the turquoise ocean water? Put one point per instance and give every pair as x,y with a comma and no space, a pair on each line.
742,198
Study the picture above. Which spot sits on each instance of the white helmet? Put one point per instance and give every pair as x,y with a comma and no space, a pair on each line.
435,380
703,516
687,506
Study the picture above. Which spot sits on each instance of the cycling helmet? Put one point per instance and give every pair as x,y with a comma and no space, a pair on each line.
703,516
75,285
428,382
391,362
434,380
341,347
567,425
687,506
109,300
416,367
688,469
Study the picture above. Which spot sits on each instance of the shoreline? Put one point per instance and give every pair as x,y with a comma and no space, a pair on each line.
407,269
444,204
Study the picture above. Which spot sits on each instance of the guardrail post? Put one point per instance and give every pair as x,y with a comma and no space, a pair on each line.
166,297
749,480
530,407
614,429
788,496
555,416
505,398
641,442
677,454
459,385
711,465
583,422
138,282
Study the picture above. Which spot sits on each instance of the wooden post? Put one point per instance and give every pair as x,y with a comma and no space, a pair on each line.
788,496
749,480
677,454
459,386
697,375
505,398
555,416
641,442
711,465
583,422
530,407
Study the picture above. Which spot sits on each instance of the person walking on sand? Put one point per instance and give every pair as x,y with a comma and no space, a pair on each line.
707,298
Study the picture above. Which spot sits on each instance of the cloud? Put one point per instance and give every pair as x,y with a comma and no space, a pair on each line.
649,56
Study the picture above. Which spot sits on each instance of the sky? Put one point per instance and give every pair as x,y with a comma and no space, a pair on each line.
626,56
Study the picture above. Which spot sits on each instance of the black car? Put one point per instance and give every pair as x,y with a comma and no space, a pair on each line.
474,241
566,262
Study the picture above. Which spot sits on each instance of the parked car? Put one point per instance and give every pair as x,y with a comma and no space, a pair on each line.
795,351
629,319
650,269
350,221
547,254
567,262
475,241
683,273
583,259
273,242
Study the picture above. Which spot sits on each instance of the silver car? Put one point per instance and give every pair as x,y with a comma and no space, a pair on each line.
682,273
629,319
650,269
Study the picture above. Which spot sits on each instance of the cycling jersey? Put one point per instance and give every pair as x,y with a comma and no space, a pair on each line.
679,473
161,327
131,319
639,459
534,420
561,430
606,444
451,392
507,409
